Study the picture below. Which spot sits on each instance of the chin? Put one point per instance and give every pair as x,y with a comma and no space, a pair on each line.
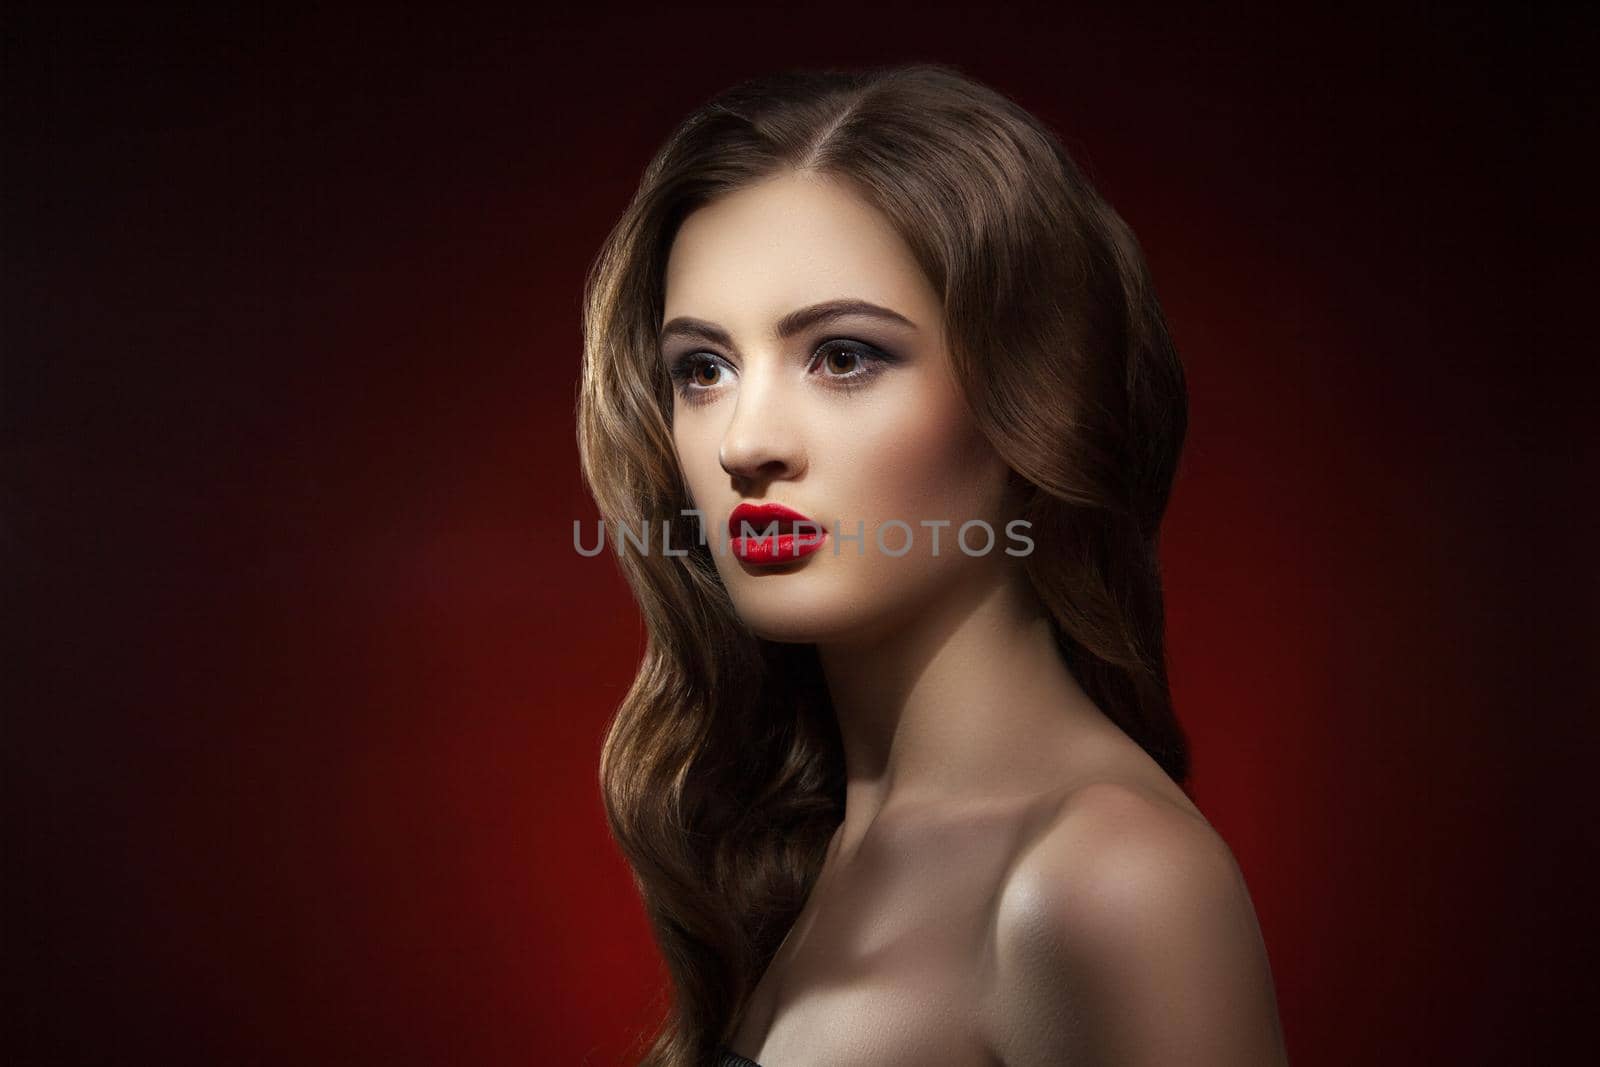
790,609
777,618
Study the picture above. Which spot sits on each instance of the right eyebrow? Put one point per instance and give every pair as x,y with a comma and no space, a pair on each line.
791,324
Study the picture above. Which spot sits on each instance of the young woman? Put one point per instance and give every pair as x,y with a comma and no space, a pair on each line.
884,385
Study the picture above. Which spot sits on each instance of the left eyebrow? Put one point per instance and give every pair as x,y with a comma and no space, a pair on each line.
792,323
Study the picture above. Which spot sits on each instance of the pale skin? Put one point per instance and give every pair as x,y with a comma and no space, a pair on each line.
1015,882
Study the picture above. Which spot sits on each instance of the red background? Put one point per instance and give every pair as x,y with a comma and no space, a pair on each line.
307,685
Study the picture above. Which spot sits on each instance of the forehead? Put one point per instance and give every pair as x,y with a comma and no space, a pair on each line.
787,242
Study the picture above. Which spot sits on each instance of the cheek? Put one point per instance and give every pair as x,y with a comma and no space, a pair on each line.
922,457
692,441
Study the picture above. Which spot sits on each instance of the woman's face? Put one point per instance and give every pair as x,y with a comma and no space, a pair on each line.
847,419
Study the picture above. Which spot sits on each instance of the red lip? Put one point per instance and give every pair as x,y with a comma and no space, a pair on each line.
777,546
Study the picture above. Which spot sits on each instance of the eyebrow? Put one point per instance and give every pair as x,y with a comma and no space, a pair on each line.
791,324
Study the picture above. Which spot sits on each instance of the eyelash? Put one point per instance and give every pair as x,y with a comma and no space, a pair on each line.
872,360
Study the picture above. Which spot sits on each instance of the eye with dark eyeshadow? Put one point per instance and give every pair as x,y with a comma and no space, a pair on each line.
866,360
839,362
686,372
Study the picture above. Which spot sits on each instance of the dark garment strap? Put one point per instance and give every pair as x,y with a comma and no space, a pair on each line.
733,1059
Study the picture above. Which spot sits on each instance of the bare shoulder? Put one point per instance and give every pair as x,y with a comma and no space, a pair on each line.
1125,933
1115,851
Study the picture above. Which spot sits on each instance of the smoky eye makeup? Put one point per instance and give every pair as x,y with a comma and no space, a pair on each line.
687,372
843,363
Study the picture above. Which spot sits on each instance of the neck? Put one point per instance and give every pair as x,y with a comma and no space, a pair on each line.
964,698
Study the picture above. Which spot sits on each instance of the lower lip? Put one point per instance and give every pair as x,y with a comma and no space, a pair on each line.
784,548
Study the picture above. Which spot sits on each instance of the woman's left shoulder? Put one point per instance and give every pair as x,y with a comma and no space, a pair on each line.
1126,919
1114,849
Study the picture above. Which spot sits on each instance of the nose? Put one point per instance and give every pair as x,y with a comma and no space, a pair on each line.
759,443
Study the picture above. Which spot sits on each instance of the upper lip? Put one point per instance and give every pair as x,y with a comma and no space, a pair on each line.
760,516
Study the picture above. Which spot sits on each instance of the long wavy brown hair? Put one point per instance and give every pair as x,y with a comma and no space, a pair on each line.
722,771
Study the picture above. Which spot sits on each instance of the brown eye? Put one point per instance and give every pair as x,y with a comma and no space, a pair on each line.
841,361
848,365
697,377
